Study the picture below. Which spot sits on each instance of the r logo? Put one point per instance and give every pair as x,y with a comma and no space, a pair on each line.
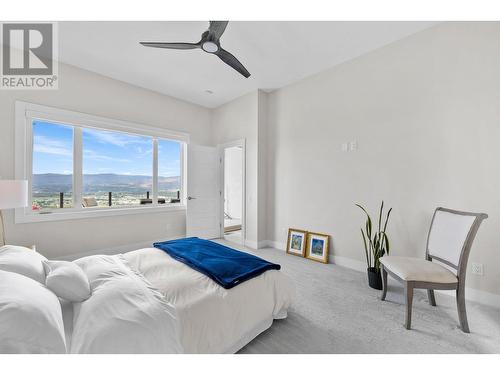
27,49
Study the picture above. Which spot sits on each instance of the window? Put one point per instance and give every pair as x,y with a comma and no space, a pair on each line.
52,184
117,168
80,165
169,171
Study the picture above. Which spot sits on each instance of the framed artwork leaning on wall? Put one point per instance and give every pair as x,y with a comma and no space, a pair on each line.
296,243
317,247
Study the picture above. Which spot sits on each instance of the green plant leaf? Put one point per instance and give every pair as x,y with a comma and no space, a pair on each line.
360,206
372,246
380,215
368,221
387,218
386,238
386,243
366,248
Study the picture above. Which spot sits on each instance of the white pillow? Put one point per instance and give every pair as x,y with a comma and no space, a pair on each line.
67,280
30,317
22,260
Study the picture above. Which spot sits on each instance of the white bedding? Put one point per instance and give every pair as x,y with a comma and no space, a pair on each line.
124,314
30,317
146,302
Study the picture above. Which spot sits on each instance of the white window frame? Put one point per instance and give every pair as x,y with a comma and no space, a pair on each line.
27,112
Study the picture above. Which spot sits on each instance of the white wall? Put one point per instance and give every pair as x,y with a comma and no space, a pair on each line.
83,91
262,129
246,117
236,120
426,114
233,188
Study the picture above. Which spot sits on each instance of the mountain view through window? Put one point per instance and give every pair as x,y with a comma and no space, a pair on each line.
52,182
117,168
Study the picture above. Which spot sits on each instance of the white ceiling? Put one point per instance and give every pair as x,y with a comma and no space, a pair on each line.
275,53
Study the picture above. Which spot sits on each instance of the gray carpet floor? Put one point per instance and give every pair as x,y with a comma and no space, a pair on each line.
335,311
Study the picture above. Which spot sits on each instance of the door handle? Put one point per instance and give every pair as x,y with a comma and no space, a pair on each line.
189,198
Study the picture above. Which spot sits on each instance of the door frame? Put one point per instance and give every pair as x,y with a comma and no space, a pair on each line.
221,148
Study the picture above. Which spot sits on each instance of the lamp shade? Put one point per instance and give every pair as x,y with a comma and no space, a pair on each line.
13,193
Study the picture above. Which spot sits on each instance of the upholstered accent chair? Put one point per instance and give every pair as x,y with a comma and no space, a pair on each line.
448,246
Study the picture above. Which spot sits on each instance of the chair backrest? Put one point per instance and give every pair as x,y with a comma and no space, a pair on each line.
451,235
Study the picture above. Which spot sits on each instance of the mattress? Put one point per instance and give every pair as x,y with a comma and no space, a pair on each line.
213,319
170,307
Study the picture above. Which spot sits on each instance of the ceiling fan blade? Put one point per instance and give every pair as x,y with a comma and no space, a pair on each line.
171,45
217,28
233,62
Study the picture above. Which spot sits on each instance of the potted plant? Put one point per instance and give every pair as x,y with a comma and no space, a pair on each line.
376,244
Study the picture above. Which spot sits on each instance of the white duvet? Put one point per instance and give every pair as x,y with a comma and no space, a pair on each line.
146,302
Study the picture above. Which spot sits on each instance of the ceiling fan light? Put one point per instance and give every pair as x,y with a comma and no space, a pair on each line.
210,47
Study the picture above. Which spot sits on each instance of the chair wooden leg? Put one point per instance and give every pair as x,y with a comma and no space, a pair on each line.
384,282
431,297
409,301
462,313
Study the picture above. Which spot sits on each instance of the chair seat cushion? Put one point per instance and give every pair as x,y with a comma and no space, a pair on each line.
415,269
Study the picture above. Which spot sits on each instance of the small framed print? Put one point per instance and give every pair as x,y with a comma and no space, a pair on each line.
296,243
317,247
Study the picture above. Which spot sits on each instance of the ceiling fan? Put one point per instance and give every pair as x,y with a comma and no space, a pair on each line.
210,43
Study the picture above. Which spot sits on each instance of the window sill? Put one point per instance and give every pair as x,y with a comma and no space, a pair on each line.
23,216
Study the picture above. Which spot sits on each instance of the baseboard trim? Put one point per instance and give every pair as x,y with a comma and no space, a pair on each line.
256,245
335,259
276,245
264,244
353,264
251,244
474,295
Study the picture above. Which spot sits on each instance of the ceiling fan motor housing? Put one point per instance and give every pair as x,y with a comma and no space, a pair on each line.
209,42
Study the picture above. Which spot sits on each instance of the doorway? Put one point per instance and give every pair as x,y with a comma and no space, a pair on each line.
233,191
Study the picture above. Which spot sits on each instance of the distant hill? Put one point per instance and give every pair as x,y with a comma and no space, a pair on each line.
52,182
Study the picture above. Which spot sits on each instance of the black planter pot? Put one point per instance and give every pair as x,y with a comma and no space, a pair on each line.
374,278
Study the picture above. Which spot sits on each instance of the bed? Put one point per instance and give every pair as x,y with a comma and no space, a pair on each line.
145,301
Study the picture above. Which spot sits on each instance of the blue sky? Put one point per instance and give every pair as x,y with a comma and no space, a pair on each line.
103,152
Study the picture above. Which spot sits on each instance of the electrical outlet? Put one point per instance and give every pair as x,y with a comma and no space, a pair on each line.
477,269
344,147
353,146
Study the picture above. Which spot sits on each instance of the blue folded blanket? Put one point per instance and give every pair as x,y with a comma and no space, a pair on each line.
226,266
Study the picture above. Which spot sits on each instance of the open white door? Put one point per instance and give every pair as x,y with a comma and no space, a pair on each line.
203,193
